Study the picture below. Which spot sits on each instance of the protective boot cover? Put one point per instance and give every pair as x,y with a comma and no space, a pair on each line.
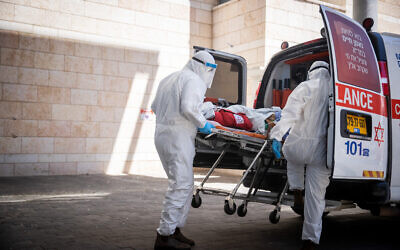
177,108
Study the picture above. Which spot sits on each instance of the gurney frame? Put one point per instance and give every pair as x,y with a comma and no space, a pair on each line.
259,149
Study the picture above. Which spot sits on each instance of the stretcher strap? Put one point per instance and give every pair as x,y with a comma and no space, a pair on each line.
242,132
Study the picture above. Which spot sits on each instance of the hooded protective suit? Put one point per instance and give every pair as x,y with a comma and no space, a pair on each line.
306,115
178,115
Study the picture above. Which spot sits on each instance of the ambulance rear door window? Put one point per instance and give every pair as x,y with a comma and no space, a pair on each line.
226,81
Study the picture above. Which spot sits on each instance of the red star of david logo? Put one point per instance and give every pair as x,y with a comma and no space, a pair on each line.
379,134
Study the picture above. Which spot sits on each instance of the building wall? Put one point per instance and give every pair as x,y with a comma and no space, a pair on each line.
77,76
239,28
255,30
389,16
77,79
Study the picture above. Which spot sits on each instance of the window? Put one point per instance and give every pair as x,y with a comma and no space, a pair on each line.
226,81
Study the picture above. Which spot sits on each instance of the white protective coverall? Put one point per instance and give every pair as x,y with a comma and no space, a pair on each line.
177,108
306,115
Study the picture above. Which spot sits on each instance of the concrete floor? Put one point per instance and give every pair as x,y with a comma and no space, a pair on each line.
122,212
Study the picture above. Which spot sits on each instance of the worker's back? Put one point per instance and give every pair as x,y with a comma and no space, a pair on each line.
167,102
310,129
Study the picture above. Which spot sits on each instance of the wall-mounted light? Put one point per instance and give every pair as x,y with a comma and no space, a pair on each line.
323,32
284,45
368,23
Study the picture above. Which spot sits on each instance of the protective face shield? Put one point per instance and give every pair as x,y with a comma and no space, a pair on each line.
315,69
203,64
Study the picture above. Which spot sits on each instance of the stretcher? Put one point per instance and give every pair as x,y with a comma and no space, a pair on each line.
265,177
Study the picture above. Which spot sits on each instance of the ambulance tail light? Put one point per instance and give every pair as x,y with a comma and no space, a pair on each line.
384,77
255,99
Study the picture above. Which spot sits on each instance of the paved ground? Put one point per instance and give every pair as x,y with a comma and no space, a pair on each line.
106,212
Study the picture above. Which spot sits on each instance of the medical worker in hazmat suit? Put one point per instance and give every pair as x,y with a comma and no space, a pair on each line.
306,115
178,117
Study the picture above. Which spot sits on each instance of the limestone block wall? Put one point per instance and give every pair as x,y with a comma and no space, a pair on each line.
77,79
292,21
77,76
255,30
239,28
389,16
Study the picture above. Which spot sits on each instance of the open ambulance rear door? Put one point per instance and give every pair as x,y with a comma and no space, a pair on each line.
358,123
229,83
392,47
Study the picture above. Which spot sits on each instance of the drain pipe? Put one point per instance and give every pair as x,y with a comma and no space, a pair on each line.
363,9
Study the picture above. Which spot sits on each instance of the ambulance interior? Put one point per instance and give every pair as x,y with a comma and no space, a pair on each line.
287,75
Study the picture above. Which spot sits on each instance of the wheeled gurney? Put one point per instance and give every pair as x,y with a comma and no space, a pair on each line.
257,175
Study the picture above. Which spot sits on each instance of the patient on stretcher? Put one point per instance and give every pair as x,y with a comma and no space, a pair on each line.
241,117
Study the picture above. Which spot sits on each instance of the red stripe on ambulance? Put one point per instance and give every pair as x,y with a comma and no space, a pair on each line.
360,99
395,109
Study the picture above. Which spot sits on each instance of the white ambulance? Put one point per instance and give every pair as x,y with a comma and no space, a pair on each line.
364,105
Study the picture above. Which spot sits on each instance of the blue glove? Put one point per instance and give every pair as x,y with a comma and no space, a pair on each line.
276,148
207,128
278,116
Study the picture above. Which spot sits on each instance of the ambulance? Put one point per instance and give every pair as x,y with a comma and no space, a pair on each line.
364,105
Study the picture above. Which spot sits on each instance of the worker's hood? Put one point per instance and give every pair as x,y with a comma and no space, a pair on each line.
203,64
319,70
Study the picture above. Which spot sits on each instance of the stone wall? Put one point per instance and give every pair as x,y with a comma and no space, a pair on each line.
77,79
255,30
239,28
389,16
77,76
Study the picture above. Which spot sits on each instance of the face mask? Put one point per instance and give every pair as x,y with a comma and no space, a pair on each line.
208,71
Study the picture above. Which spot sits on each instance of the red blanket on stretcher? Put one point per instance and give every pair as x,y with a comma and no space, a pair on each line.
234,120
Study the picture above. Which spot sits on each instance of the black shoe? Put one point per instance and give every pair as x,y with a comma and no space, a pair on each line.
308,245
179,236
169,243
298,206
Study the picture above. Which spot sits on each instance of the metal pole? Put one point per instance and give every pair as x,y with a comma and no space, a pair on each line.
213,167
366,8
232,194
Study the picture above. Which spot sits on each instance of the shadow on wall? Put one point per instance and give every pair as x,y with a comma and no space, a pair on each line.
74,107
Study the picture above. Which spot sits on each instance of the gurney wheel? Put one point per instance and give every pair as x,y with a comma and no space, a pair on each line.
242,210
229,210
196,201
274,217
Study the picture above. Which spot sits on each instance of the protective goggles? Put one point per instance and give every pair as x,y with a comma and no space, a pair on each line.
210,66
318,67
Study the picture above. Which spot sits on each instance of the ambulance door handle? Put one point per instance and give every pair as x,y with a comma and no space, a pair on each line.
331,106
